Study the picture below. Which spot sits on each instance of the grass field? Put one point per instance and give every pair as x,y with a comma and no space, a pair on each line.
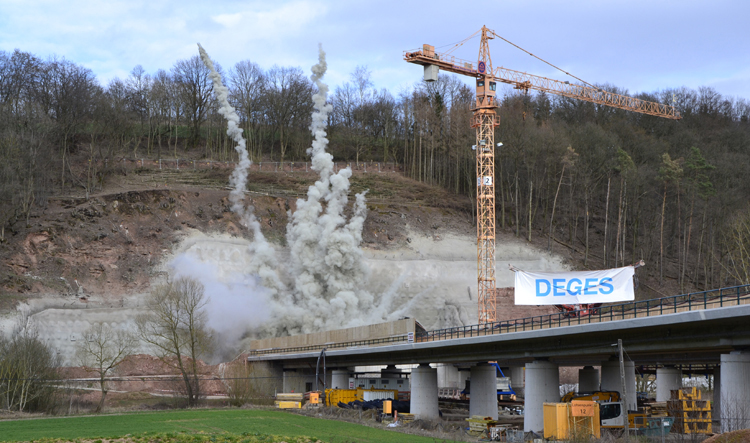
201,421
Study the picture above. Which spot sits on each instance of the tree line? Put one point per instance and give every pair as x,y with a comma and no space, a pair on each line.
613,185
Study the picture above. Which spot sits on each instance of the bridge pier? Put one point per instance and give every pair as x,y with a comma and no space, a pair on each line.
735,384
483,397
516,380
611,380
668,379
447,375
542,385
340,379
424,392
588,379
716,409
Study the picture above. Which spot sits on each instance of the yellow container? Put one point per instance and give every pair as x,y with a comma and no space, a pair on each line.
314,398
288,404
334,396
563,421
387,409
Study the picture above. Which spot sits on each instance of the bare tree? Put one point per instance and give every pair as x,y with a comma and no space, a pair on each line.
289,102
27,366
102,350
737,240
194,90
139,86
175,326
247,89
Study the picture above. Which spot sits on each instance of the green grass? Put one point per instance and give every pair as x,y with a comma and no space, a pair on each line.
201,421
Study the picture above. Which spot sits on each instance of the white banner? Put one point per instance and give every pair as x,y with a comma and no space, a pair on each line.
570,288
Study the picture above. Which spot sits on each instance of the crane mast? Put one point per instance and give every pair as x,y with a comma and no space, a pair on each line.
485,119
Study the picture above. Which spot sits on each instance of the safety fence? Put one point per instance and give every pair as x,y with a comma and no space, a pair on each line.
716,298
177,164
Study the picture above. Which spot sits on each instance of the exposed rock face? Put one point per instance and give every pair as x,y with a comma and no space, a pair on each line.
83,262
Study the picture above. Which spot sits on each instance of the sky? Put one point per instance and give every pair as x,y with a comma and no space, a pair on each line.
638,45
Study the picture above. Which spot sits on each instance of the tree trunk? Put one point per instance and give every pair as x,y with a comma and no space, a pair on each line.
586,227
518,209
661,237
606,220
552,215
619,221
531,193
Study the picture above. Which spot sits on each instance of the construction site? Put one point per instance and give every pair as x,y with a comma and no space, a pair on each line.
339,287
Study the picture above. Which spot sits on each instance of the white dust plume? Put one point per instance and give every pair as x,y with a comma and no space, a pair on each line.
264,262
326,268
232,302
326,261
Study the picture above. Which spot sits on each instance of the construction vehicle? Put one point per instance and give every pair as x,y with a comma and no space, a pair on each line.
597,396
610,409
485,120
582,310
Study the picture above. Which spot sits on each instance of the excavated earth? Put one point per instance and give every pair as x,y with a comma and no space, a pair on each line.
86,260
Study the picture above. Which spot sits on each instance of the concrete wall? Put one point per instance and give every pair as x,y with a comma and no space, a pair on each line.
381,330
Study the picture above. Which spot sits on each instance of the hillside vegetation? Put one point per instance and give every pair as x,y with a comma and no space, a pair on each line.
621,186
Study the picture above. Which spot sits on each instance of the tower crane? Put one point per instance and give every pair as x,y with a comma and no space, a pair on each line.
485,120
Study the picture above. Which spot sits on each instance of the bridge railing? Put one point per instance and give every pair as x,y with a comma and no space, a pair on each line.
731,296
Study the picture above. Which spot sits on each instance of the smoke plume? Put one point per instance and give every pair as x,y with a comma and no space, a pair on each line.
264,261
326,269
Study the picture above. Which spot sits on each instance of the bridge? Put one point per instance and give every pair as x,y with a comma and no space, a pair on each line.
710,330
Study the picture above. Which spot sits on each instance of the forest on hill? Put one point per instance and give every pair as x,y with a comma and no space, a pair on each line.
613,185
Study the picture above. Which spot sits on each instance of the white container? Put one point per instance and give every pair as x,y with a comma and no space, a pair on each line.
377,395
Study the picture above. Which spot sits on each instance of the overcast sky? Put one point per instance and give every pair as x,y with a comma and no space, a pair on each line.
640,45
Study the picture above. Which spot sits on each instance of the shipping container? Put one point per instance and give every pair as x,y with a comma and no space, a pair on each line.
565,421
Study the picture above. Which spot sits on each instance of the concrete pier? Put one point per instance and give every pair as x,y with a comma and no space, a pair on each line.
735,384
447,375
611,380
542,385
668,379
517,380
340,379
588,379
483,397
716,409
424,392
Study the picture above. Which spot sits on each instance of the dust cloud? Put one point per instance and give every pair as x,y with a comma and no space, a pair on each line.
326,270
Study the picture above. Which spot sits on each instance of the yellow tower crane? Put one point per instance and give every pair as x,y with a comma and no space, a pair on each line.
485,120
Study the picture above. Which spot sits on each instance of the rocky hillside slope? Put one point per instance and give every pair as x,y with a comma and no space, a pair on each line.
87,260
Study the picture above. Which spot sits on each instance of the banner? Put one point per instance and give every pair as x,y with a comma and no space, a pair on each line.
571,288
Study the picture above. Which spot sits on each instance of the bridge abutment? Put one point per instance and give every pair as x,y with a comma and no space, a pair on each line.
734,386
588,379
542,385
611,380
668,379
483,397
424,392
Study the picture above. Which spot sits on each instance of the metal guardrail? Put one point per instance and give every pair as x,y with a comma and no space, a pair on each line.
715,298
